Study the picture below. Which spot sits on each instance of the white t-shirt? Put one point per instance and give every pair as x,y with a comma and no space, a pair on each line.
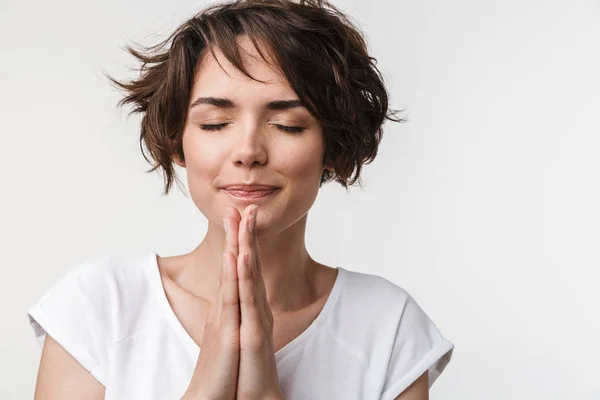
370,341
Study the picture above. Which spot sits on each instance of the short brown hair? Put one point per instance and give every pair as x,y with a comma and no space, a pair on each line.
322,54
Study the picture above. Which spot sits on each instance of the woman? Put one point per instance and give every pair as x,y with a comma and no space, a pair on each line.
261,102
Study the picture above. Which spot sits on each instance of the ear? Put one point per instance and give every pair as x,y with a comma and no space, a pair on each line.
175,158
177,161
329,167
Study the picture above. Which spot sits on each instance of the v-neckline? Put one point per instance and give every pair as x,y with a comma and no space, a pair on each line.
281,353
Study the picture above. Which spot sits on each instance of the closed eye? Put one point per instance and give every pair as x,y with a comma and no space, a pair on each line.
213,127
285,128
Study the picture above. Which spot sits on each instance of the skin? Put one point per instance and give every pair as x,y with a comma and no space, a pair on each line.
257,377
280,278
249,144
252,148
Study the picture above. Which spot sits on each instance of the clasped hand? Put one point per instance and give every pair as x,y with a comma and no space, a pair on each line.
237,359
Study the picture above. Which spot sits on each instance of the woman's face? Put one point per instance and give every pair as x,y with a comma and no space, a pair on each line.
240,139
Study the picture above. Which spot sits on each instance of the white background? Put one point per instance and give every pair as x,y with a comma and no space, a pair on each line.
484,206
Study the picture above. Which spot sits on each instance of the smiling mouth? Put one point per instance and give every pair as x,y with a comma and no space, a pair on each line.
250,194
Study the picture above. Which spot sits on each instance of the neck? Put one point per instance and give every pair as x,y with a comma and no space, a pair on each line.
287,268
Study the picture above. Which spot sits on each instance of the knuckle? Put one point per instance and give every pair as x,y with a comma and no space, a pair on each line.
234,249
228,339
210,316
251,300
229,301
257,342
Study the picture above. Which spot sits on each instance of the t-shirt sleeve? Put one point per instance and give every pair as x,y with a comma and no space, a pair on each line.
416,346
66,313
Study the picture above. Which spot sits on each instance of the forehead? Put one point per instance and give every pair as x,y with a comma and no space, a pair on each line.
216,75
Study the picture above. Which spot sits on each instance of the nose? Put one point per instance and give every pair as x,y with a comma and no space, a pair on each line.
249,150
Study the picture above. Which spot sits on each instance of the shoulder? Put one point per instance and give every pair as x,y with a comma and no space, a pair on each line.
379,308
374,291
109,268
91,306
368,309
110,279
404,341
112,292
390,305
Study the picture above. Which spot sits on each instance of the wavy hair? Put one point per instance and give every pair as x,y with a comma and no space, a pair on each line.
318,49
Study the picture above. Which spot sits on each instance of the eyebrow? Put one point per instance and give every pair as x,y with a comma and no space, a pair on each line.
226,103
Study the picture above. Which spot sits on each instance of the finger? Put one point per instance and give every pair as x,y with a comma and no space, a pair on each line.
234,213
253,300
245,234
229,294
231,226
255,253
251,246
247,270
259,282
249,298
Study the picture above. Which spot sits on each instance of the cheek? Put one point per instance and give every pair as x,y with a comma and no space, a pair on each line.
302,170
301,163
202,162
202,167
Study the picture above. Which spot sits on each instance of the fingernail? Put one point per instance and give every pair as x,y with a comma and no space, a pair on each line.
254,210
225,224
250,223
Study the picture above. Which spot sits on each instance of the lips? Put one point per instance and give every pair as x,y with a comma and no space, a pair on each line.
250,191
250,194
250,188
